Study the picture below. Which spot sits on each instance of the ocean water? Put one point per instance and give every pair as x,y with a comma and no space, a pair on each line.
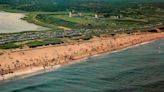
138,69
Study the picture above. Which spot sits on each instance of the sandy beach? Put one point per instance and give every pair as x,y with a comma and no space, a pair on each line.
19,62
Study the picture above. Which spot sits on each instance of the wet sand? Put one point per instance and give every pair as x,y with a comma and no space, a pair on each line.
21,62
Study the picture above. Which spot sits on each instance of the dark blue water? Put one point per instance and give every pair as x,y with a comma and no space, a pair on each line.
139,69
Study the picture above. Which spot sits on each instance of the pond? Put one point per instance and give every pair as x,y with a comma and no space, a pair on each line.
12,22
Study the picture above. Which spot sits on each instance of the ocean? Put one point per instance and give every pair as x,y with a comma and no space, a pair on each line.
137,69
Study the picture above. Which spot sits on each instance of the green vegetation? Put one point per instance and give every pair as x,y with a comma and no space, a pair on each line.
80,5
87,20
31,43
45,42
114,17
9,46
87,37
115,14
31,17
51,20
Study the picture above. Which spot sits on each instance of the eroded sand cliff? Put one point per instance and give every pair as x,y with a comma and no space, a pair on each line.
19,62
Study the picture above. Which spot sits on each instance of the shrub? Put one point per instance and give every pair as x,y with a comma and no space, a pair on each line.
52,41
9,46
87,37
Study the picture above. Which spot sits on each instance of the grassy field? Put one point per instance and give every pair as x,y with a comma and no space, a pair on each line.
9,46
31,43
54,20
44,42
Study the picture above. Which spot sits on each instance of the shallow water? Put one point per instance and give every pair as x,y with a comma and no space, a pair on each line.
11,22
138,69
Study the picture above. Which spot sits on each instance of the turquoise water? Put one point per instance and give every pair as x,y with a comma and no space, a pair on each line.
138,69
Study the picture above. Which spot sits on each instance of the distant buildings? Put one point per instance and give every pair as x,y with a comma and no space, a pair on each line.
96,16
74,13
107,15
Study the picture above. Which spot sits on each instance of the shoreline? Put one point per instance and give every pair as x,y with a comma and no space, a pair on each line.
64,56
40,70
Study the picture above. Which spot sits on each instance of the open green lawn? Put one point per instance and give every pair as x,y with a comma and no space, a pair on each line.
87,20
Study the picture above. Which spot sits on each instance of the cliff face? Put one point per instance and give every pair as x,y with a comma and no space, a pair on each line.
43,57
